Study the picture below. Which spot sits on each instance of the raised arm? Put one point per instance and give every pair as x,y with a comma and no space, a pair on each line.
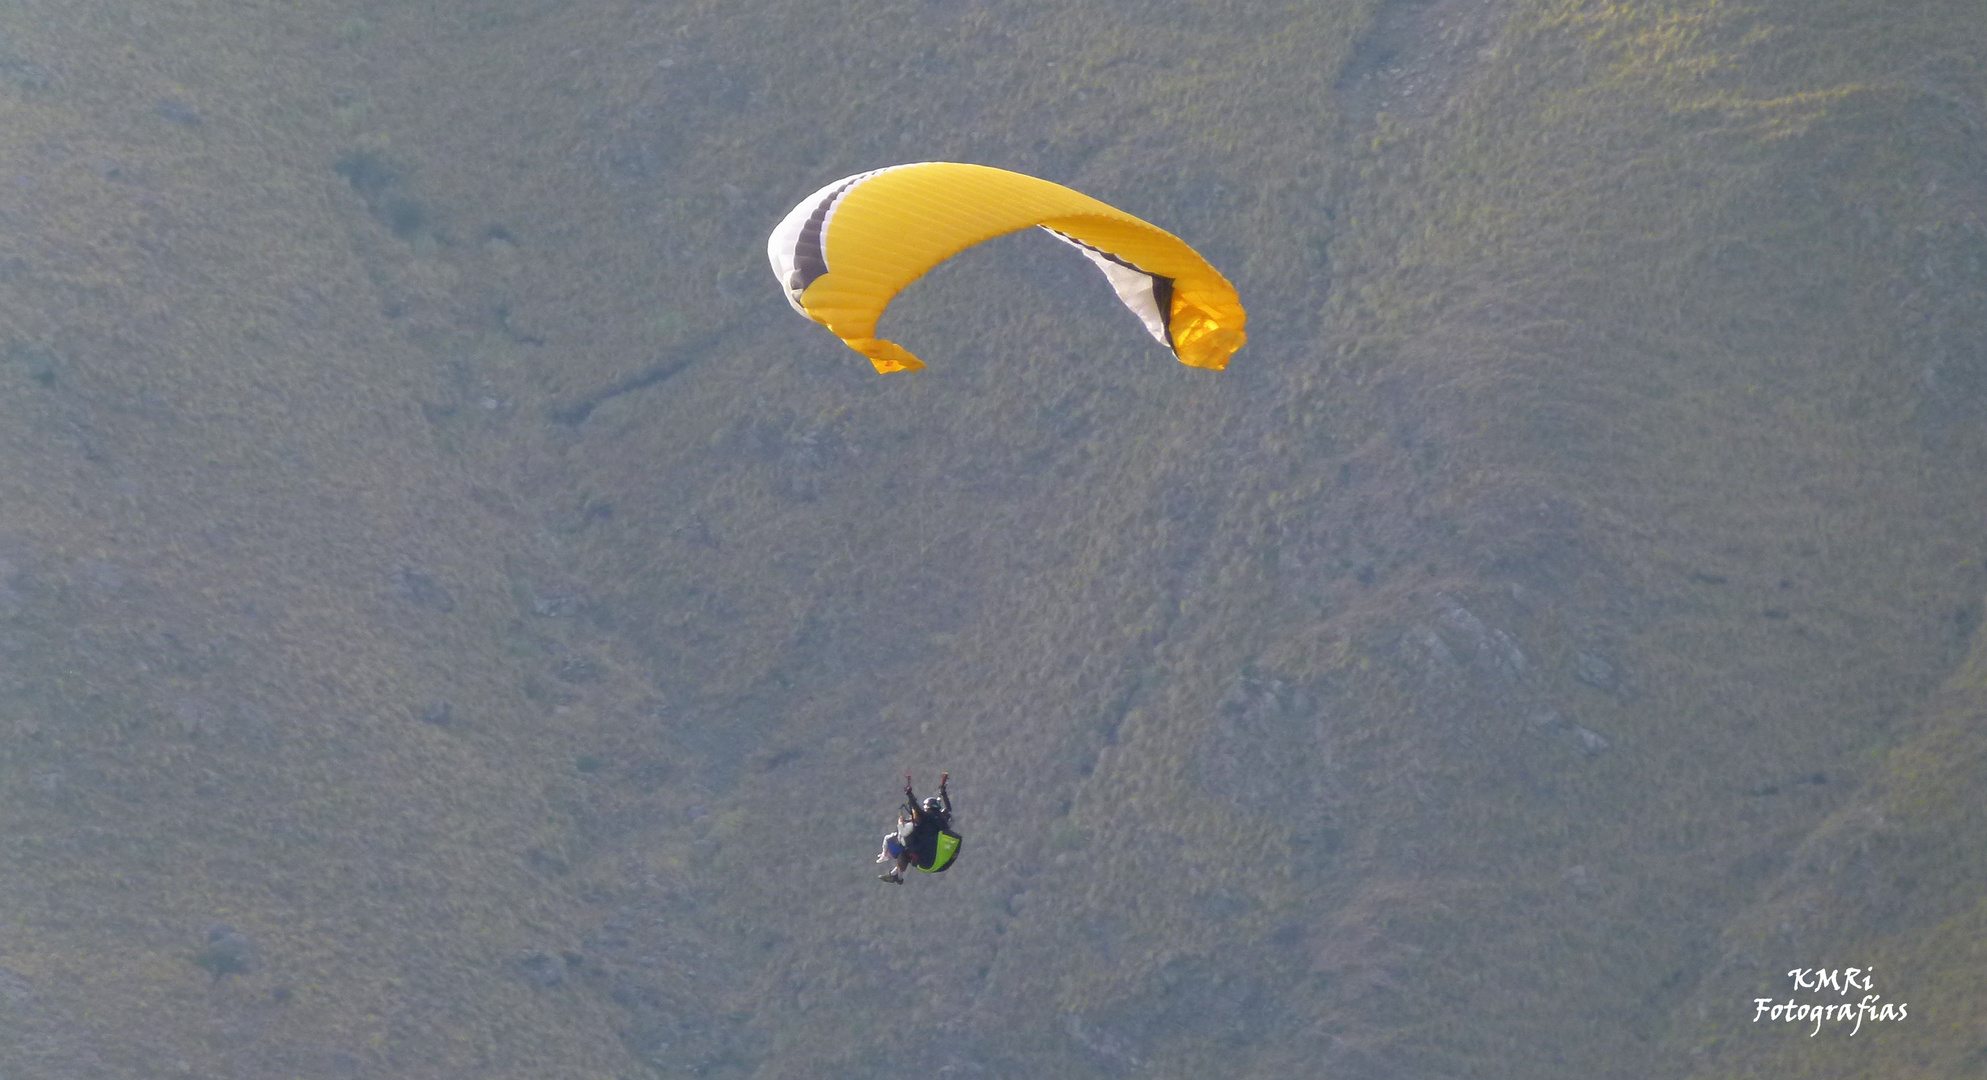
944,796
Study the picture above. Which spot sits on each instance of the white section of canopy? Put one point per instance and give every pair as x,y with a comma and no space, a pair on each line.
1133,286
782,248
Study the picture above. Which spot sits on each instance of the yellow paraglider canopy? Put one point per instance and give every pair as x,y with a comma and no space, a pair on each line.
847,250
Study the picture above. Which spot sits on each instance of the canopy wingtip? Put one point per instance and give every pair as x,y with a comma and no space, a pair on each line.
888,356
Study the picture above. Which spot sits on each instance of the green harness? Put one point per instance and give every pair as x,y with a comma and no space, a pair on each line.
948,850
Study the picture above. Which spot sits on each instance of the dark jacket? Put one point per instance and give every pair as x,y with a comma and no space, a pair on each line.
925,826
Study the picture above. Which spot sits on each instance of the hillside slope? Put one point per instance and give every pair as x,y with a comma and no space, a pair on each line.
455,620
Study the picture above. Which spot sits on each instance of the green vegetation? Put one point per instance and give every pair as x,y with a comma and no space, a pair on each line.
455,620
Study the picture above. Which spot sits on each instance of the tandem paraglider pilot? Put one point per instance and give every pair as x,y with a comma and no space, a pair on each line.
923,837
